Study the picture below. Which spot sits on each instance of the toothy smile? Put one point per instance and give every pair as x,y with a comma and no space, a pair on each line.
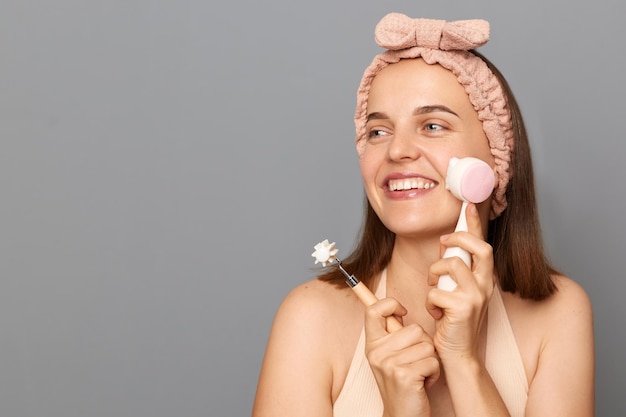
404,184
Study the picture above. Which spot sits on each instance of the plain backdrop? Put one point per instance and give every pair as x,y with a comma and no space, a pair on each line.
166,168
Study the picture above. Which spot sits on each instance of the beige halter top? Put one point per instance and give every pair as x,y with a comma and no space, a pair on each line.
360,397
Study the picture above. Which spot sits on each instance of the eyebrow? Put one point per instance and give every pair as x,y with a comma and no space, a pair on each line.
418,110
433,109
376,116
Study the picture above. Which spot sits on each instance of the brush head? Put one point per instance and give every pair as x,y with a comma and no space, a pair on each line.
325,252
470,179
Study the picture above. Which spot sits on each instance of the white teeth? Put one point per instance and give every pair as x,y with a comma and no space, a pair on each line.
409,184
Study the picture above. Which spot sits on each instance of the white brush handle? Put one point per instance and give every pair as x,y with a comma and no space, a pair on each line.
445,281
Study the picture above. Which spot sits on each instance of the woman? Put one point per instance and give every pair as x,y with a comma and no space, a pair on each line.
514,338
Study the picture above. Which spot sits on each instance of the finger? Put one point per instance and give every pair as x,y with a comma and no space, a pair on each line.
378,314
432,368
435,311
420,360
413,347
481,261
405,349
455,267
442,244
438,301
474,225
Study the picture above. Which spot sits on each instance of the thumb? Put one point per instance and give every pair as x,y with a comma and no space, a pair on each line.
474,224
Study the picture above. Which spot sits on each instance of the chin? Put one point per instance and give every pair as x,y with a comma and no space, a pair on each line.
443,217
419,228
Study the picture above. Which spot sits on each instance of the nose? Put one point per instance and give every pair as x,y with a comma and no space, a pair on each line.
403,147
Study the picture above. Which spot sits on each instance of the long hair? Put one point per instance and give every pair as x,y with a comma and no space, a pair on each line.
515,235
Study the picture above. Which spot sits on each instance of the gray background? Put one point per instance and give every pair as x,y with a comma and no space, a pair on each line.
167,166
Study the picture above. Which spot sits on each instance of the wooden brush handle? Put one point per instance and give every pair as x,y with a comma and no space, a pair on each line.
368,298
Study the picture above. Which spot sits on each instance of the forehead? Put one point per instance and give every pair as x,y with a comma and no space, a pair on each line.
413,81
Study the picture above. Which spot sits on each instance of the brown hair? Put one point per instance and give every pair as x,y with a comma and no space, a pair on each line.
515,235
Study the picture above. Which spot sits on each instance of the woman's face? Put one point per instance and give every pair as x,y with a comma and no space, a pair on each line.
418,117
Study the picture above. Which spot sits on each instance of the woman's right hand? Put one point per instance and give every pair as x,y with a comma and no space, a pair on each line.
404,362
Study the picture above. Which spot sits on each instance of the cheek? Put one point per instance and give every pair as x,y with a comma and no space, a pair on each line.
480,145
369,166
486,155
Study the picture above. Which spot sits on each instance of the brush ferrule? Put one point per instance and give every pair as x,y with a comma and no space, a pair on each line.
350,279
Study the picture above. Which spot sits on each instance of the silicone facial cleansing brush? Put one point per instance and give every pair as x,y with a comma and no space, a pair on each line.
471,180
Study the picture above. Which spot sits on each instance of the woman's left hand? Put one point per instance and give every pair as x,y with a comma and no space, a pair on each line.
460,313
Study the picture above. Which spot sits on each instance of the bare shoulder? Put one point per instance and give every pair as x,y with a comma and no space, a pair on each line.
328,318
314,333
568,318
569,302
569,309
333,319
555,335
570,297
556,340
318,302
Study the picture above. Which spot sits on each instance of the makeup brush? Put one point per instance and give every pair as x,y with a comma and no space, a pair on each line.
326,253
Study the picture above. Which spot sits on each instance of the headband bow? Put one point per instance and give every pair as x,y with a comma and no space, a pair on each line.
397,31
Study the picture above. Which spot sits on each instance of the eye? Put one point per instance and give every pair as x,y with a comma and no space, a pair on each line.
377,133
433,126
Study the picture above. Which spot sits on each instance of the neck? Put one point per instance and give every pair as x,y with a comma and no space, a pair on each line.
410,262
407,278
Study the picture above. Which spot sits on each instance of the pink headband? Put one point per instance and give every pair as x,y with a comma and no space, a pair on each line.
447,44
